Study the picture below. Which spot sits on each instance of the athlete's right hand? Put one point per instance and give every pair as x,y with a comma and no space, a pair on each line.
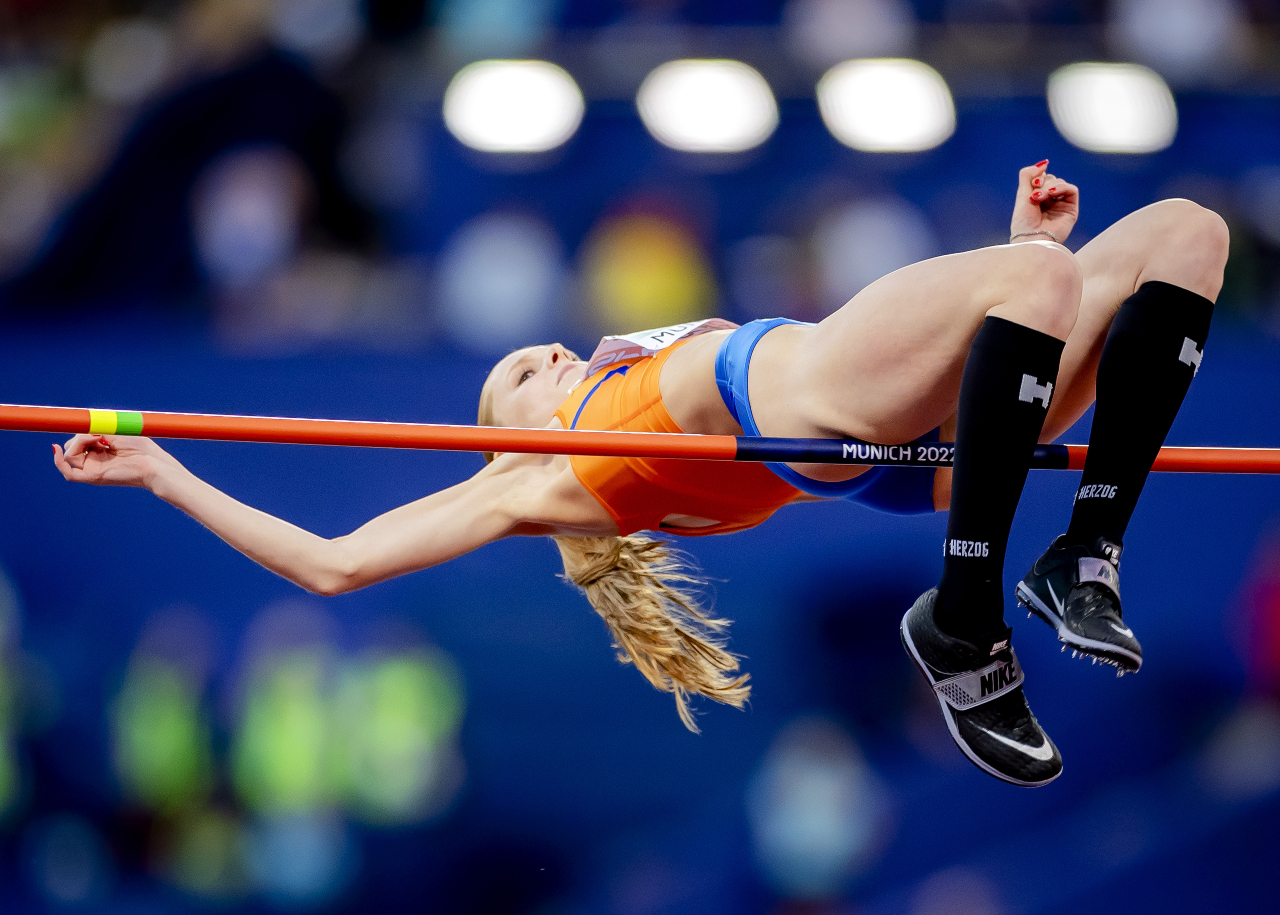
112,460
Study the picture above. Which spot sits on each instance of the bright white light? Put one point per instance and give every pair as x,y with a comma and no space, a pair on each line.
889,105
710,106
520,106
1112,108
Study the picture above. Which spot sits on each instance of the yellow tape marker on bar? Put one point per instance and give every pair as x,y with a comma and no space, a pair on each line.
102,422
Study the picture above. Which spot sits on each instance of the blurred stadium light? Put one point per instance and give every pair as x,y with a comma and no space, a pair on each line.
127,61
707,106
513,106
890,105
1112,108
644,269
501,277
825,32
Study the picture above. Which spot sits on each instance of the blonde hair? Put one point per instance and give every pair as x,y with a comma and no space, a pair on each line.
643,591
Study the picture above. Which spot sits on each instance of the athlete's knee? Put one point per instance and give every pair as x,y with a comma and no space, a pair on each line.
1050,280
1191,245
1186,224
1045,264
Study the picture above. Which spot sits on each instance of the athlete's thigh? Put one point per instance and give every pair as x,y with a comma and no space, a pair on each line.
887,365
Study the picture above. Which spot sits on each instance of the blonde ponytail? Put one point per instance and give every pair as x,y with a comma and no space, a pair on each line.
635,584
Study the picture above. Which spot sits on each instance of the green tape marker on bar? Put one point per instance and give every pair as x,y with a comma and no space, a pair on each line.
128,423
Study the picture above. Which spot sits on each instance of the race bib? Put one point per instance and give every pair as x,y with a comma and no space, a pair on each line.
648,342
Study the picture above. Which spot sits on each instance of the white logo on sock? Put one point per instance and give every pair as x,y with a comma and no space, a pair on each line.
979,548
1189,355
1097,491
1032,390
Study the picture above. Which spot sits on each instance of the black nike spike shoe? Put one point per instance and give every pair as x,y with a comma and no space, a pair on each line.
1076,590
979,687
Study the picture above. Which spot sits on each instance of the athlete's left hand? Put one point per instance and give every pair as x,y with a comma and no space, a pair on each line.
1045,202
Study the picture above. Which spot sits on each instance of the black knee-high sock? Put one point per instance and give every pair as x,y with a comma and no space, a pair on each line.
1151,354
1004,397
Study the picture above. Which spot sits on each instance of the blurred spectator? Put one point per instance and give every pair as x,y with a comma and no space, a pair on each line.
824,32
642,268
502,283
130,240
68,860
163,745
819,815
10,774
956,891
858,243
1260,639
1189,41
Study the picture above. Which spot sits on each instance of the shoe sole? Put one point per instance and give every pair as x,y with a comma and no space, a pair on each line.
910,646
1125,661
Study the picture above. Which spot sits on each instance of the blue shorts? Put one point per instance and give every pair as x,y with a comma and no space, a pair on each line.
899,490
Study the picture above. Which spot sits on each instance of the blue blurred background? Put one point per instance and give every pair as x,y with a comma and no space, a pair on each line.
259,207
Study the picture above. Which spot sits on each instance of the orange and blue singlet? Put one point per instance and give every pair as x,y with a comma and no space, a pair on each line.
639,492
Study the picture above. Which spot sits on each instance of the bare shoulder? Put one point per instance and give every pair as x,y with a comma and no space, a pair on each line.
542,495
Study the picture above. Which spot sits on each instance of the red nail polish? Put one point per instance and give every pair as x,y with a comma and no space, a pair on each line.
1036,196
1035,183
1042,163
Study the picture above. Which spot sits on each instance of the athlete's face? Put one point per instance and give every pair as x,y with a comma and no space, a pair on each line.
531,383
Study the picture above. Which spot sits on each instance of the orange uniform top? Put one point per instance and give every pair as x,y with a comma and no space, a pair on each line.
639,492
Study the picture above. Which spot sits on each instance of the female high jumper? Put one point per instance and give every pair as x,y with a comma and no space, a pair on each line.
1006,346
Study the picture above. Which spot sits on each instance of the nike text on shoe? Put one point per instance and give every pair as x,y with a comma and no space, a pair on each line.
1076,590
979,687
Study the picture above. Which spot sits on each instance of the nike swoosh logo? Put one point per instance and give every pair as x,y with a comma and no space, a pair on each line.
1125,631
1057,601
1043,752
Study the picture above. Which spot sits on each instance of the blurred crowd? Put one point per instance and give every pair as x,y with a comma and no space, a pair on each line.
246,181
282,168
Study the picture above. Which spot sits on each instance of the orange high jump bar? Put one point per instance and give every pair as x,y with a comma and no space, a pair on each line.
433,437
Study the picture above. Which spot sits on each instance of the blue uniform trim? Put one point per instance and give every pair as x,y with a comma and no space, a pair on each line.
898,490
620,370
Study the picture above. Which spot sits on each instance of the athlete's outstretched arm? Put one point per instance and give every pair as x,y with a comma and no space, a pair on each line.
424,533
